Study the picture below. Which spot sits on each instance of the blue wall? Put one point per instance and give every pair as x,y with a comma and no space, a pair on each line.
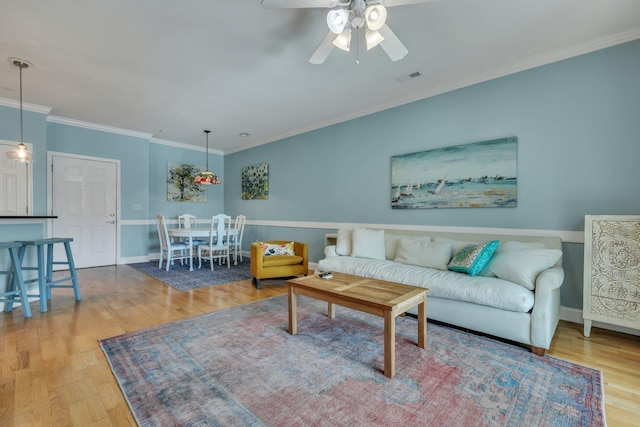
577,123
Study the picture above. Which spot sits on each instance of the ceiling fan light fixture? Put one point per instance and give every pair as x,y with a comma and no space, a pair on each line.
376,16
337,19
373,38
343,41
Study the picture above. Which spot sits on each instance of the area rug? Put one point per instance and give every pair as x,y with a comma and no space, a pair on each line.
241,367
181,278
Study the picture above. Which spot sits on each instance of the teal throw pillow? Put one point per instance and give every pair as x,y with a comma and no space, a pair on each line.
473,258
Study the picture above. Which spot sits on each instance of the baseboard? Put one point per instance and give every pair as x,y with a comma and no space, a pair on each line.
574,315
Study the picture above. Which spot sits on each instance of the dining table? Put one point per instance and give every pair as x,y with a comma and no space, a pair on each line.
191,233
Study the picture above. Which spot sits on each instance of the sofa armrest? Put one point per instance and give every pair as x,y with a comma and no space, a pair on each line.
546,309
301,249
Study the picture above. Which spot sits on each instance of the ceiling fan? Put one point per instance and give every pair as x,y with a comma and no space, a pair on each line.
347,17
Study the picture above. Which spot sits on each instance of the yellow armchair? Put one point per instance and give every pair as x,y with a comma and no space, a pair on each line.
267,267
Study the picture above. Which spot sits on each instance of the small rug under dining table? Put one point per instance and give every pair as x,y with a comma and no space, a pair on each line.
241,367
181,278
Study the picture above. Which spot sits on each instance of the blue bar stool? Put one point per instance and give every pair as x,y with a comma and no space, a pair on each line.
15,287
45,271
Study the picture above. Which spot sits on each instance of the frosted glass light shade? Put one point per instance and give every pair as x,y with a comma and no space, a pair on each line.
343,41
20,153
373,38
337,19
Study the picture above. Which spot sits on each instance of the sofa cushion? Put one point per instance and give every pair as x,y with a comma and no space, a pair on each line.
456,245
489,291
423,253
270,249
367,243
275,261
521,263
343,242
472,259
391,242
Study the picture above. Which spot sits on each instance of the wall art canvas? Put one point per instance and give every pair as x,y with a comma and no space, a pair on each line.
477,175
180,185
255,182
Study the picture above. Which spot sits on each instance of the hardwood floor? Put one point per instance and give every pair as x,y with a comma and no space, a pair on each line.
53,372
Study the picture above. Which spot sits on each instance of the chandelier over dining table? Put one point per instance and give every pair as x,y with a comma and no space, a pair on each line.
207,177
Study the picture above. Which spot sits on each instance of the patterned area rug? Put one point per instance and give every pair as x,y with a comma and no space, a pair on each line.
181,278
240,367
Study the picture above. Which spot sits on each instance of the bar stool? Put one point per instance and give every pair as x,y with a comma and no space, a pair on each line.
15,287
45,271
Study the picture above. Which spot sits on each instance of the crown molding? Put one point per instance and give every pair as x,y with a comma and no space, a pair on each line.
182,145
25,106
480,77
98,127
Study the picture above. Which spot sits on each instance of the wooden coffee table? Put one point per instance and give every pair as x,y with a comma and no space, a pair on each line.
384,299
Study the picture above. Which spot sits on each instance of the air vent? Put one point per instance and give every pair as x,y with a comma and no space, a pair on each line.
413,75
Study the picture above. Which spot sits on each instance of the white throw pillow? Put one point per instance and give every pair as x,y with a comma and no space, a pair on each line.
424,253
343,242
391,242
521,263
456,245
367,243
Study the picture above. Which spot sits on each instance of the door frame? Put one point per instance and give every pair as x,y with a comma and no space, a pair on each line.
29,171
50,155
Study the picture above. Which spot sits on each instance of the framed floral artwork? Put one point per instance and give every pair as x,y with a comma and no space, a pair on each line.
255,182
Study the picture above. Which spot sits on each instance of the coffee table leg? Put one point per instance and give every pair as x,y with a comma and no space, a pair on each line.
422,324
389,344
331,310
293,323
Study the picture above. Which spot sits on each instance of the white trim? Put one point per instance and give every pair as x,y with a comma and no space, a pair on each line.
25,106
449,86
50,155
98,127
184,146
565,235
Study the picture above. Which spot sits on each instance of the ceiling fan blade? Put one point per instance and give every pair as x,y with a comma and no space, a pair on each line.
325,48
392,44
391,3
297,4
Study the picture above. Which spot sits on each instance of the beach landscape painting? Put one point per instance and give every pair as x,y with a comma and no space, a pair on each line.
477,175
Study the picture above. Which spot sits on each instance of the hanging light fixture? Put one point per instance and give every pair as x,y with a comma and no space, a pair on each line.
20,153
207,177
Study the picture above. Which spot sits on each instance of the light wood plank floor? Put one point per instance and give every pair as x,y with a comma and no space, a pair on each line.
53,372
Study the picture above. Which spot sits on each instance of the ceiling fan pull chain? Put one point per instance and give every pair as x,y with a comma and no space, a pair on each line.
358,46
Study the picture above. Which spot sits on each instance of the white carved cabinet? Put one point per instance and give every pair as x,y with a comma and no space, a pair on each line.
611,271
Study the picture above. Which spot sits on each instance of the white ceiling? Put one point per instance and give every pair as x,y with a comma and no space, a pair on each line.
172,69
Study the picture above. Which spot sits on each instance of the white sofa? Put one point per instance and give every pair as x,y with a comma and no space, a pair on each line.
515,297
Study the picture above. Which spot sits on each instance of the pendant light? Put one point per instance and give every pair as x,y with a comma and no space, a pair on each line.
20,153
207,177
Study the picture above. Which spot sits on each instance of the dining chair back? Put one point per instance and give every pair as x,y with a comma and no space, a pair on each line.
218,246
236,238
186,221
169,249
189,221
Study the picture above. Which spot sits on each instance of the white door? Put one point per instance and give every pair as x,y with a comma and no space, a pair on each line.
15,178
84,199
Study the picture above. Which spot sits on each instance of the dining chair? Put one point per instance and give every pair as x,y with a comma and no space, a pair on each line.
189,221
218,246
168,248
236,238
